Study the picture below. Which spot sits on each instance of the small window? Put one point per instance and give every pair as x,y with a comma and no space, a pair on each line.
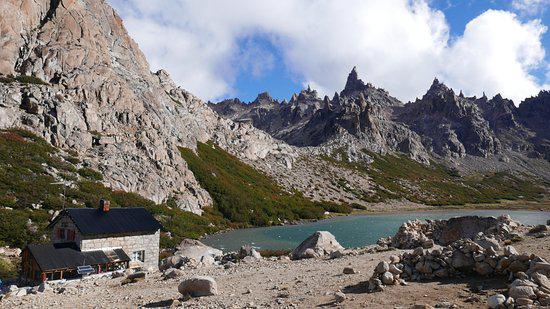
138,256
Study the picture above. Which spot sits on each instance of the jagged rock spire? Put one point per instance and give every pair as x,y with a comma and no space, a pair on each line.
438,88
264,96
354,83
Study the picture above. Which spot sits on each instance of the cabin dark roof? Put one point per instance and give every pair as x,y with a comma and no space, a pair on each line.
92,221
62,256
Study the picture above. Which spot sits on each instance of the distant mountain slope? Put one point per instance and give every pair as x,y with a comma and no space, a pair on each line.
441,125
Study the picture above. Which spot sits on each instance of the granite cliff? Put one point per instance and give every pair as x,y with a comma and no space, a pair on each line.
71,74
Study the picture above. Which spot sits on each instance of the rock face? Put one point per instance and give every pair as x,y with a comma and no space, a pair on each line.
317,245
103,102
534,113
361,113
450,125
442,124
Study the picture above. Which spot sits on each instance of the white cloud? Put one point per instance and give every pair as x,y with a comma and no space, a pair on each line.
495,55
399,45
530,7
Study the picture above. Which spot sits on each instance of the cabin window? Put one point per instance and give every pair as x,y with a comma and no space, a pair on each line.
61,233
138,256
70,235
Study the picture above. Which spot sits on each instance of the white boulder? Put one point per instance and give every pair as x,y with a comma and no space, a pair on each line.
319,244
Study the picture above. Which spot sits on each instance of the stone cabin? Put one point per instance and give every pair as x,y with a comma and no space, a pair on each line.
103,239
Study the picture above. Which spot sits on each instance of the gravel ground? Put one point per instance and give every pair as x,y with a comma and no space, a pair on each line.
280,284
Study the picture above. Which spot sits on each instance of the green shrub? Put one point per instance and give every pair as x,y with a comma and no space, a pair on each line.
90,174
24,181
8,269
334,207
7,79
26,79
266,253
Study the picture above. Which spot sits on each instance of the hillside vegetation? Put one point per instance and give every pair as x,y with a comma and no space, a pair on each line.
34,176
246,196
397,176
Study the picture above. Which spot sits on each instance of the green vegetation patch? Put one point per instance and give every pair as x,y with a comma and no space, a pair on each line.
90,174
8,268
396,176
244,195
26,79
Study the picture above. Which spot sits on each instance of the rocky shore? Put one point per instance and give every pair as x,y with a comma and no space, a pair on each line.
320,273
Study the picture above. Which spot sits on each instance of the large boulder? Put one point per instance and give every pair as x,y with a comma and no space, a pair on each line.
319,244
191,252
194,249
175,261
248,250
198,286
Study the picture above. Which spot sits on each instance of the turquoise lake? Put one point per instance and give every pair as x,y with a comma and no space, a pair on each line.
350,231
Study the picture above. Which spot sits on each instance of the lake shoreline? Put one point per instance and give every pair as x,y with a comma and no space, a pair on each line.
406,207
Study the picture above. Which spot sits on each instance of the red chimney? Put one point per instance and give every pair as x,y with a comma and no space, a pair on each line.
104,205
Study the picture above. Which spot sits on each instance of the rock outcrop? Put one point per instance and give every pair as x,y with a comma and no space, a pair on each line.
465,257
191,253
442,124
419,233
358,117
86,86
450,125
319,244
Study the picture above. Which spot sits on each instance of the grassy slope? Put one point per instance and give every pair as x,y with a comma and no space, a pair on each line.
26,167
397,176
246,196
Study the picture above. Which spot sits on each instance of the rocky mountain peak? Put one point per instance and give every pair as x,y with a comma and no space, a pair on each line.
264,97
439,89
307,94
535,113
354,84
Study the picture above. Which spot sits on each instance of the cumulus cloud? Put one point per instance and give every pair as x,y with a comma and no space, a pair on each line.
400,45
530,7
495,55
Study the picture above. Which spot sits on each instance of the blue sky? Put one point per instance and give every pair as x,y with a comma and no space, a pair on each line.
223,49
281,83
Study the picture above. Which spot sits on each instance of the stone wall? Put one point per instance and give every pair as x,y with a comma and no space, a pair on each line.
149,243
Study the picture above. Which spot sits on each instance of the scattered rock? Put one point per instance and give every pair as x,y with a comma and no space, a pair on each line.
337,254
248,250
194,249
134,277
538,229
339,297
496,301
521,292
387,278
198,286
172,273
349,271
509,250
382,267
